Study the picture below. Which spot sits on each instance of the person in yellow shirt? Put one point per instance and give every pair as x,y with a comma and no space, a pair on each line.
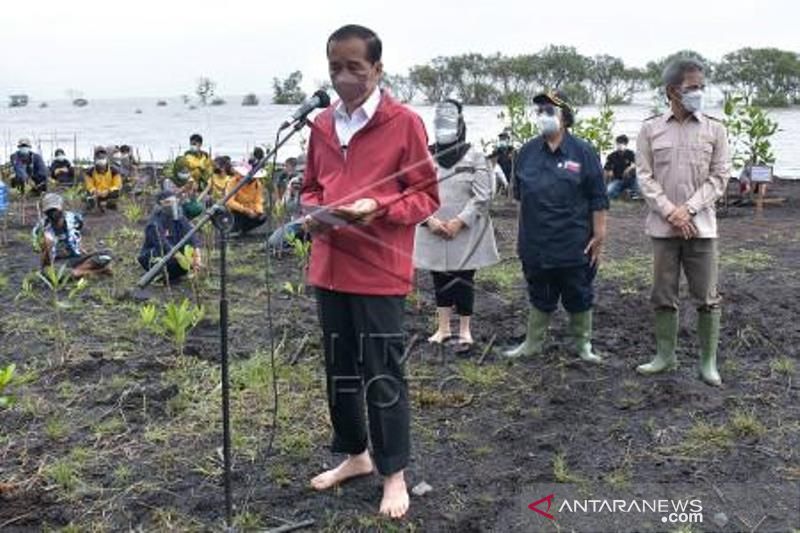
198,161
103,184
247,206
215,189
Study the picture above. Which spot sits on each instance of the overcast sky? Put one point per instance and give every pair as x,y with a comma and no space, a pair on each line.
159,48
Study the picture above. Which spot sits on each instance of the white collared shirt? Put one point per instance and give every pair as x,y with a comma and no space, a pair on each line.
348,125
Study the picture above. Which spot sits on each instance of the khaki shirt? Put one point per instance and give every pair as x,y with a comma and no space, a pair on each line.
682,163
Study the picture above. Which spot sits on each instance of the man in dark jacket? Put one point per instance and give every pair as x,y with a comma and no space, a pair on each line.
369,181
28,166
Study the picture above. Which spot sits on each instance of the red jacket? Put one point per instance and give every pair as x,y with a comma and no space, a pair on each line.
387,160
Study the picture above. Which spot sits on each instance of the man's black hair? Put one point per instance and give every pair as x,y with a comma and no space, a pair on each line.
350,31
622,139
196,137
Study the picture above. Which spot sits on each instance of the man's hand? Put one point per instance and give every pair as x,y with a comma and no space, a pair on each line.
595,247
362,211
313,226
454,226
680,216
197,263
688,230
438,228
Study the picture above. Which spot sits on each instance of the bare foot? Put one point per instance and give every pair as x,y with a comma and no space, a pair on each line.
465,338
395,496
353,466
439,337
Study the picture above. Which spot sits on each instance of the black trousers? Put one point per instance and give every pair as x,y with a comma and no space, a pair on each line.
455,288
364,349
243,223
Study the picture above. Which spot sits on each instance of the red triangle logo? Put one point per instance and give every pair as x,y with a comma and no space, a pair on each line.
535,506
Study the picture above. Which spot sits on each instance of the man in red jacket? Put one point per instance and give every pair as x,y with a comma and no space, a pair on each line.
369,180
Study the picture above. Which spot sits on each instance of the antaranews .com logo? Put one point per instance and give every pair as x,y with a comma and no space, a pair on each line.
656,507
671,511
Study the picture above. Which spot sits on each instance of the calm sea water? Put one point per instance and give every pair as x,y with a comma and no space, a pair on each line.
158,133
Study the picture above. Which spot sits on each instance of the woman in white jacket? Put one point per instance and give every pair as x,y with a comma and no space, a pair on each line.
459,238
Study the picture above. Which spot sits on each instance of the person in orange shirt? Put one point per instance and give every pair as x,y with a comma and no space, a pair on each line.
247,206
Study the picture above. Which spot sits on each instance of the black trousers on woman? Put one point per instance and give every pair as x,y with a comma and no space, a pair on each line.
455,288
364,349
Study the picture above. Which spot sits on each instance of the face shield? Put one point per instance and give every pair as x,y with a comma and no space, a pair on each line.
446,123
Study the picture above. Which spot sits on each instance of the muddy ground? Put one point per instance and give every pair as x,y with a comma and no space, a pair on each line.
123,434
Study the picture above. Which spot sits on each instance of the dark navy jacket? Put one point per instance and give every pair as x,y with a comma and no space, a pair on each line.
558,192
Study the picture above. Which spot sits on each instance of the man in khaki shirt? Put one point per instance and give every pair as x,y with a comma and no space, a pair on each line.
683,166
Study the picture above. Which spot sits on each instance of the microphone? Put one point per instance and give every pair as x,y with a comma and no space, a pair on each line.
319,99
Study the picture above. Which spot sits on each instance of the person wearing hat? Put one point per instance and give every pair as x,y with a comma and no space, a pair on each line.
61,169
505,154
57,237
103,183
198,162
28,166
559,183
247,205
458,239
165,228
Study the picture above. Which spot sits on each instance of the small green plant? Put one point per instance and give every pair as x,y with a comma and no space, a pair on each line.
187,258
783,366
132,212
148,315
62,297
750,129
302,251
598,131
178,320
6,377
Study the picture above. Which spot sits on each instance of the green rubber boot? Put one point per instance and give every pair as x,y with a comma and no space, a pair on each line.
538,322
580,327
708,333
666,339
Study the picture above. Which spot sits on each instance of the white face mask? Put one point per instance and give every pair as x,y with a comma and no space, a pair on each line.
622,147
692,101
445,124
24,150
61,158
547,124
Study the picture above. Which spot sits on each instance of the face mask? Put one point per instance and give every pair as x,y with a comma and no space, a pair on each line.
61,158
350,87
547,124
183,177
621,147
502,143
692,101
194,148
445,124
24,150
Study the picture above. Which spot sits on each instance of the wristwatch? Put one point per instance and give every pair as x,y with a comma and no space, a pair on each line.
692,211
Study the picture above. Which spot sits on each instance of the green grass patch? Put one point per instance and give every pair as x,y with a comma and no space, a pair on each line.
505,275
746,260
631,273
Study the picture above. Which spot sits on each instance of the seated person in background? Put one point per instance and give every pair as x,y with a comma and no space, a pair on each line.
198,162
282,179
748,189
166,227
61,169
620,168
103,184
126,166
247,205
215,189
184,187
279,240
57,236
28,166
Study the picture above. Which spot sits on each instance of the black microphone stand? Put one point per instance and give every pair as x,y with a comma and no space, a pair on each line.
220,218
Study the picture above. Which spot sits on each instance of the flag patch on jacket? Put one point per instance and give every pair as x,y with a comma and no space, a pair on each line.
572,166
